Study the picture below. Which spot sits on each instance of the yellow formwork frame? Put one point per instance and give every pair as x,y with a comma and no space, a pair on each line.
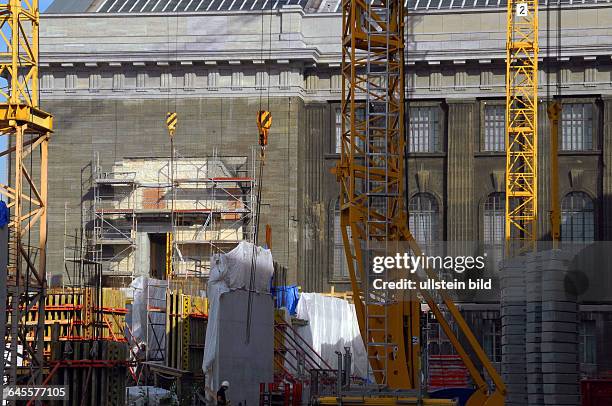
521,125
28,129
185,330
169,254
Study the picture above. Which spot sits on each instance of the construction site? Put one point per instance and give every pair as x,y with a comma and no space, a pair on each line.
306,202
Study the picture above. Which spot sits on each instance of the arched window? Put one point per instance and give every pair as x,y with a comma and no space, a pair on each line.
340,271
493,225
577,217
423,222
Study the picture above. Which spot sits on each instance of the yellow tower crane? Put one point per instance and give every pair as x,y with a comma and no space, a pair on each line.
521,125
374,217
28,129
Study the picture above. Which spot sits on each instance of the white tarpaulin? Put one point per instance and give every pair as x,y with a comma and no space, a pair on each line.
149,294
229,272
150,396
332,326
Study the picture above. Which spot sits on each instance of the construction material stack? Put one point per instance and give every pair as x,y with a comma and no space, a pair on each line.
540,330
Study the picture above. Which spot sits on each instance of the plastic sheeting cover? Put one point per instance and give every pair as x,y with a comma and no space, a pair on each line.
232,271
4,214
150,396
287,297
332,325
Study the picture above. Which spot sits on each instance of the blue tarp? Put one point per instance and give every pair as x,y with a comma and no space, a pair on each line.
4,214
287,297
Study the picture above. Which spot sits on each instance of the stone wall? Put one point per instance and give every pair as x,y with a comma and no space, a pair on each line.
114,129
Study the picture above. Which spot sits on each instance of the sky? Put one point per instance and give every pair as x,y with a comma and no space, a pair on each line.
42,5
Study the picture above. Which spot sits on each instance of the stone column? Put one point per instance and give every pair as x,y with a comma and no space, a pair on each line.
312,211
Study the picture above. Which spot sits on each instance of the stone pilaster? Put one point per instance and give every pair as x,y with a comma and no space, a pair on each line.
544,196
607,170
461,224
315,264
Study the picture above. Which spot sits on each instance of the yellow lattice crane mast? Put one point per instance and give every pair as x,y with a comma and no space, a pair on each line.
521,125
371,175
28,129
374,218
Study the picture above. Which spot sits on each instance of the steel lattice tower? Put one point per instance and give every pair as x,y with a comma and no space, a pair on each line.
521,125
371,175
28,130
373,212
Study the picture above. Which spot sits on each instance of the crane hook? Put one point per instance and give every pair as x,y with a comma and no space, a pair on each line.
171,122
264,122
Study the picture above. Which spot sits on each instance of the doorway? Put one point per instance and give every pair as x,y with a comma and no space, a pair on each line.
158,243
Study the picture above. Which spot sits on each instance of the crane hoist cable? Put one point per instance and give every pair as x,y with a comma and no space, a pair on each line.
264,117
171,125
264,123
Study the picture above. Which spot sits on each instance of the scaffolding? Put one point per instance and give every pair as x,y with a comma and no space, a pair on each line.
131,212
110,219
199,207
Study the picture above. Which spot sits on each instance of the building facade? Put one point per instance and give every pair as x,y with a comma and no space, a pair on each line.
111,70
